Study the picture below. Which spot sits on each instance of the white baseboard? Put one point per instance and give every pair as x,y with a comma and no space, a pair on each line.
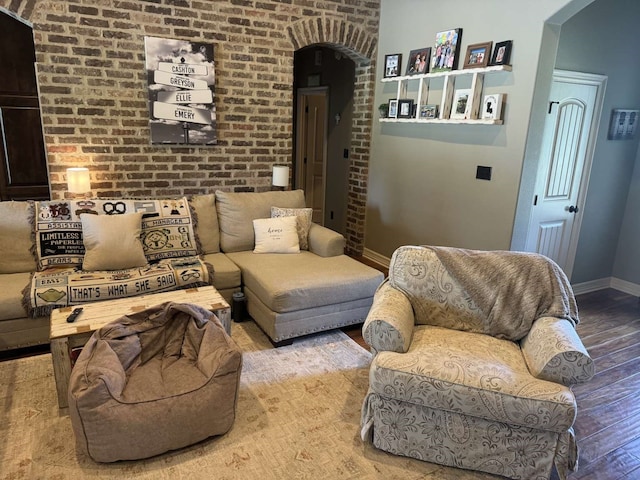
376,257
626,287
592,286
608,282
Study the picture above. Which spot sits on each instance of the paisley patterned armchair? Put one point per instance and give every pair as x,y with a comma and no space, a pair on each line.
475,354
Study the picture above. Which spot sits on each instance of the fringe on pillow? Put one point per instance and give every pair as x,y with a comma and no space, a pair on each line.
43,311
210,272
194,224
33,249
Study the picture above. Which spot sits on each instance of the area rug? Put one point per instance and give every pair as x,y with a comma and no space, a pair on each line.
297,418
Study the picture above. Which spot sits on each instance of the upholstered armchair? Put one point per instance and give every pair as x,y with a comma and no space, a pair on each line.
475,354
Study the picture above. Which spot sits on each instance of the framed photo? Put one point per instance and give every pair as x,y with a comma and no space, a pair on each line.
501,53
428,112
393,109
445,51
392,64
461,104
492,106
478,55
623,124
405,108
419,61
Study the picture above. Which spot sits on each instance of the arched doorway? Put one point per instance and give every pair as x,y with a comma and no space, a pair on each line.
323,113
358,45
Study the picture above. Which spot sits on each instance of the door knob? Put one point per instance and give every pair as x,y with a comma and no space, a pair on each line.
573,209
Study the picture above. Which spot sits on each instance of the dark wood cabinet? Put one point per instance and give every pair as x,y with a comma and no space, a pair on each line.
23,160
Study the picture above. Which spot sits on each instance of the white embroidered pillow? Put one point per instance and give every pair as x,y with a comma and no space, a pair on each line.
112,242
276,235
303,225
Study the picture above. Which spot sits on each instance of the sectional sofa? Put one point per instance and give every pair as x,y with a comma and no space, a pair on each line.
288,294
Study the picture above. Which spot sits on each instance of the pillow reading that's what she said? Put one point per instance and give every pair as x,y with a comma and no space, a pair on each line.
276,235
303,216
166,228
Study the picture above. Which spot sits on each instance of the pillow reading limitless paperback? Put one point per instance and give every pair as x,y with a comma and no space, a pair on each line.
166,230
276,235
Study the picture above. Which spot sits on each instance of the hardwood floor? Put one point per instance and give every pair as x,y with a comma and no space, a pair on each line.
608,423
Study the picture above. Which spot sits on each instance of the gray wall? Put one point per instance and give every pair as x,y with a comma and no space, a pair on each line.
603,38
627,264
422,186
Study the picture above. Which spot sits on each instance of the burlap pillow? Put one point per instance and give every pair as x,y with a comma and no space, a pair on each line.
112,242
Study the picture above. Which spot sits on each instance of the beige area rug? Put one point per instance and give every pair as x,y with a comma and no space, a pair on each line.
297,418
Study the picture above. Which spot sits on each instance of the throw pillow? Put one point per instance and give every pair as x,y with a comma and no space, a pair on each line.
303,216
112,242
276,235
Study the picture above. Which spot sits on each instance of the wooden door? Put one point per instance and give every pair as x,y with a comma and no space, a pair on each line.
23,162
311,161
567,149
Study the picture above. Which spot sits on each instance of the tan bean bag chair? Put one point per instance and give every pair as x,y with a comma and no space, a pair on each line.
155,381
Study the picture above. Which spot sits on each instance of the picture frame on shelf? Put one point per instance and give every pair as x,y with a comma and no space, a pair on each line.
502,53
419,60
428,112
392,65
492,106
393,109
444,55
405,108
461,106
478,55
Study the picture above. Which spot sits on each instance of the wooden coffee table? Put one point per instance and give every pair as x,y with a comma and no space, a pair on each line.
67,336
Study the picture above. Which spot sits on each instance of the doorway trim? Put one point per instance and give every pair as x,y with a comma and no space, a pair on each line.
600,82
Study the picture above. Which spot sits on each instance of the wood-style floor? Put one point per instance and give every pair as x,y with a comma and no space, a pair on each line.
608,423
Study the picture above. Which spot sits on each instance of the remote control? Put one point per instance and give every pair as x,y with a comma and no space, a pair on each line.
76,312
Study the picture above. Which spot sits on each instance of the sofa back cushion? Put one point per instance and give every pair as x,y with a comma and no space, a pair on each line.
15,237
207,229
236,212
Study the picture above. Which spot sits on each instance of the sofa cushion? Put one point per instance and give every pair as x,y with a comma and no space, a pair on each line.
473,374
276,235
303,224
285,283
11,288
112,242
15,237
236,212
207,229
226,274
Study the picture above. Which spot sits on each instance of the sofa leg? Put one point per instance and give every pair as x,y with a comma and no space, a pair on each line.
282,343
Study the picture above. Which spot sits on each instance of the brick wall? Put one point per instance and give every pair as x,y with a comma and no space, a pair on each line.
93,90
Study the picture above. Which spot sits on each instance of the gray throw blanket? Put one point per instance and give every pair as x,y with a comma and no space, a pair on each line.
512,289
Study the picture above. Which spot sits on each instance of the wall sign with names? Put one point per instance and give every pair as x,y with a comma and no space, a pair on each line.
181,79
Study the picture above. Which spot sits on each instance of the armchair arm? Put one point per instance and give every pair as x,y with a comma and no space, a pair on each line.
553,351
325,242
389,324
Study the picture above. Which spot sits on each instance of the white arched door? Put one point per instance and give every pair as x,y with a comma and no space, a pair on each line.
567,150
